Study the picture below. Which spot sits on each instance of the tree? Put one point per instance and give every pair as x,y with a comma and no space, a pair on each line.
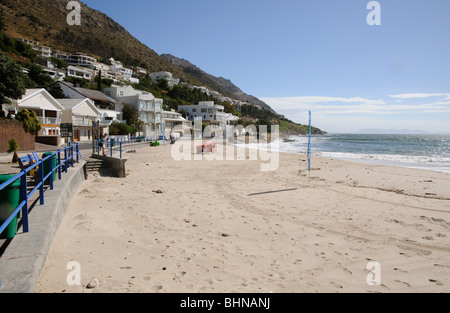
61,64
130,114
11,80
121,129
107,82
77,82
13,146
56,91
30,121
163,84
35,73
184,114
99,81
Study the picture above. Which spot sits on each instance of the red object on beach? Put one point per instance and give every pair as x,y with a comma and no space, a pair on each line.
208,147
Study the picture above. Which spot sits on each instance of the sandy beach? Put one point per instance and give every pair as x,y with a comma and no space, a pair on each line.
226,226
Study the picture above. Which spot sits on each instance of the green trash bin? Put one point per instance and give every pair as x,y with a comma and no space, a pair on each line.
9,201
47,166
113,142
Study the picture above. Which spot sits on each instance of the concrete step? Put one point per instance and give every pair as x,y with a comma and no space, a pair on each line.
96,165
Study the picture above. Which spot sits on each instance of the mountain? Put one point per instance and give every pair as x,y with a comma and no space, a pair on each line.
220,84
98,35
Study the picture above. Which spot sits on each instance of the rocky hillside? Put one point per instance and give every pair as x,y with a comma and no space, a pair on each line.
98,35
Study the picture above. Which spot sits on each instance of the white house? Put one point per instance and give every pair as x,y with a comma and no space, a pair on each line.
149,108
209,113
76,59
101,66
165,75
107,117
142,72
80,72
123,73
55,73
81,113
43,51
175,124
110,110
47,109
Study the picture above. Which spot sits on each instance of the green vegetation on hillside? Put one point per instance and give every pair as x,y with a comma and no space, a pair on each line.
98,35
18,50
12,79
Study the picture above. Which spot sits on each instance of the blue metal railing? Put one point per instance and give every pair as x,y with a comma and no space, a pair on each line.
71,155
119,142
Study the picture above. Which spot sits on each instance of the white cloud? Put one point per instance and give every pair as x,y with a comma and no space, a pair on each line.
351,114
420,95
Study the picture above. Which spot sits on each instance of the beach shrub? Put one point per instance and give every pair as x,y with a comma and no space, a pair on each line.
13,147
30,121
122,129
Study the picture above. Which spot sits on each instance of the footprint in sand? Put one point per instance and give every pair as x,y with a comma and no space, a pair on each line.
441,265
404,283
157,288
336,285
400,270
437,282
347,271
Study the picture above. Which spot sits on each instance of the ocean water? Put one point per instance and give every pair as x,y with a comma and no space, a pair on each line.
430,152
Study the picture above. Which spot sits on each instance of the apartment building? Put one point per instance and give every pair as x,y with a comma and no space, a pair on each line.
149,108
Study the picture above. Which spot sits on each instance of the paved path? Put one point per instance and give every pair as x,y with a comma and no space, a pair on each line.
6,167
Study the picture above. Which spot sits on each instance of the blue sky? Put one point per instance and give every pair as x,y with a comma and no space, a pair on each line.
316,55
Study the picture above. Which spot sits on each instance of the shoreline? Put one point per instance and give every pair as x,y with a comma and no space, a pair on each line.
225,226
374,158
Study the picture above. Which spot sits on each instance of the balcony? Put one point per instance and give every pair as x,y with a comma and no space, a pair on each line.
81,121
221,117
49,120
146,108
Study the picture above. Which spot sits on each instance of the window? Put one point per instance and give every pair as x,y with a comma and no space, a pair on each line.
204,110
194,110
